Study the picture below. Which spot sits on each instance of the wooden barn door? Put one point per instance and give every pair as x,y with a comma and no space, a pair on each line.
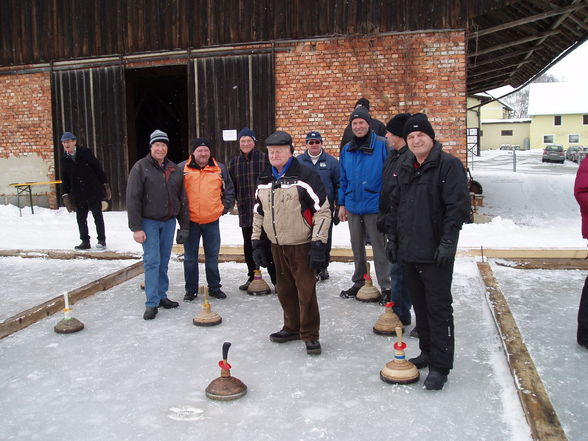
91,104
232,92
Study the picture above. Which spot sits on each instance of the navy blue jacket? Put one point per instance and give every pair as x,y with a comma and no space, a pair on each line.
361,174
327,167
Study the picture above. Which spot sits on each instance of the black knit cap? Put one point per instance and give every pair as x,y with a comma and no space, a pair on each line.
418,123
396,124
197,142
363,102
360,112
280,138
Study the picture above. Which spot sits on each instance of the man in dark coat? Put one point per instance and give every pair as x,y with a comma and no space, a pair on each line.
429,204
581,194
84,187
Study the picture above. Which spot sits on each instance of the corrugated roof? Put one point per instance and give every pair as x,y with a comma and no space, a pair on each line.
558,98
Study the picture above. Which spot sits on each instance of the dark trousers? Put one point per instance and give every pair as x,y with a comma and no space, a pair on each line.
429,286
248,252
297,290
82,209
583,317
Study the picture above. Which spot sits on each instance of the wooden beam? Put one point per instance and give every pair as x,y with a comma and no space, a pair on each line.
50,307
525,20
497,69
541,416
512,43
499,58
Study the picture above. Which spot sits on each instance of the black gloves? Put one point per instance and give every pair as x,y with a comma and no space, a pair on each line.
259,255
445,253
107,192
69,205
182,236
317,256
336,219
383,223
392,248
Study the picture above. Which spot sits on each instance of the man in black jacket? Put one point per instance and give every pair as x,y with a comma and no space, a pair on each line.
429,204
84,187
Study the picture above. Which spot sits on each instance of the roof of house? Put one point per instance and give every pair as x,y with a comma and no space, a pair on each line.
506,121
558,98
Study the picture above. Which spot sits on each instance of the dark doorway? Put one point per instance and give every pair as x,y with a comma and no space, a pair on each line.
157,98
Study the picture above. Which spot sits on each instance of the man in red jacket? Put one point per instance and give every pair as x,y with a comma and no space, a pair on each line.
581,194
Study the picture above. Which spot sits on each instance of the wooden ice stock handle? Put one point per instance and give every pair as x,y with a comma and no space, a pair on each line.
399,334
226,346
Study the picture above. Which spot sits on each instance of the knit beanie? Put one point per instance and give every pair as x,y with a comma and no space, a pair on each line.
418,123
197,142
158,136
246,131
363,102
396,124
360,112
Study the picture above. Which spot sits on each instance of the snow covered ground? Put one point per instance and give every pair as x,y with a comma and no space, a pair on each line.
126,379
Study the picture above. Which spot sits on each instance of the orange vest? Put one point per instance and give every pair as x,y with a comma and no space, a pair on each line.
203,190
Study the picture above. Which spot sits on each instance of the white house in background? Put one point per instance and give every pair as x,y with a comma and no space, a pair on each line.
497,128
559,114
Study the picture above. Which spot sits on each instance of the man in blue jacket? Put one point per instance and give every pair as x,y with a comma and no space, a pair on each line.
362,160
327,167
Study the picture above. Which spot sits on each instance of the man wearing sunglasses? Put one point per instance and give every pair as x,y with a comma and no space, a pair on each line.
327,167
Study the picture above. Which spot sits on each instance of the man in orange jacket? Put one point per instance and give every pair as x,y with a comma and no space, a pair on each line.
210,194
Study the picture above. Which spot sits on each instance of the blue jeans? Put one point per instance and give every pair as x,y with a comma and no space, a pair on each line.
156,253
400,295
210,234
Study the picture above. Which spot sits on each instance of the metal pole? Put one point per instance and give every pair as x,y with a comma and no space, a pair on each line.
514,160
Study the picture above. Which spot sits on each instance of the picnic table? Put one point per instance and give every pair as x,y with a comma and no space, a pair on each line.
25,187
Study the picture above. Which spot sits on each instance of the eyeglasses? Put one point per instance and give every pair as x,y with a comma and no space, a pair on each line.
314,142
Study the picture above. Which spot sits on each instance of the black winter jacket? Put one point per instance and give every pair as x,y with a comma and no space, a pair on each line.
156,192
82,177
428,204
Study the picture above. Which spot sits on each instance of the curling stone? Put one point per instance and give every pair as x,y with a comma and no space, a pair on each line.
368,292
388,321
68,324
399,370
206,317
258,286
225,387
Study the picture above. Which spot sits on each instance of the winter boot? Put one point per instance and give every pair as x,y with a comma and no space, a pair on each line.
422,361
313,347
283,336
85,245
101,245
435,380
245,286
190,296
386,297
150,313
324,274
168,304
217,293
351,292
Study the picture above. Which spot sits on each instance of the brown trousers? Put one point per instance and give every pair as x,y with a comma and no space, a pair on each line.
297,290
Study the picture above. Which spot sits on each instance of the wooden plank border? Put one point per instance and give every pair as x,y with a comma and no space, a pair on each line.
50,307
541,417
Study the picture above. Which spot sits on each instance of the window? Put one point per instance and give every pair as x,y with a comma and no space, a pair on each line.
573,139
548,139
557,120
585,120
506,133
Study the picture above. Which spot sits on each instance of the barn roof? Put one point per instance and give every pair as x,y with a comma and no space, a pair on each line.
558,98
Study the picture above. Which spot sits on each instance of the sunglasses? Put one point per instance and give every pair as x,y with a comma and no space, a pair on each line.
314,142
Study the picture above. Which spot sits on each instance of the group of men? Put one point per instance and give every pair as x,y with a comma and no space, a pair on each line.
399,192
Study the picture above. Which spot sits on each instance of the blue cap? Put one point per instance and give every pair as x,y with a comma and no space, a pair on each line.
314,135
68,136
246,131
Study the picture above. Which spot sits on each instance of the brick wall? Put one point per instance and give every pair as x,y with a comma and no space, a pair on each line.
318,83
26,134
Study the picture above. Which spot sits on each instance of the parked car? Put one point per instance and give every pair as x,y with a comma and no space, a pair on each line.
572,151
553,153
581,154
